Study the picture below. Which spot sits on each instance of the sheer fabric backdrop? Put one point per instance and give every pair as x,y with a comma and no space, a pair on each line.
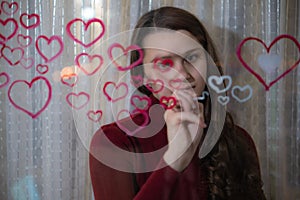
46,156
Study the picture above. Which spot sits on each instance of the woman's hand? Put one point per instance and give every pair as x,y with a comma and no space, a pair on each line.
185,123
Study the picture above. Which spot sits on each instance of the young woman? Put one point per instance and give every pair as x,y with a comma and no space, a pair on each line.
176,49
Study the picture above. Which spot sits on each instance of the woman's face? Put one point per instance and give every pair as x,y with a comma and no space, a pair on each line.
173,60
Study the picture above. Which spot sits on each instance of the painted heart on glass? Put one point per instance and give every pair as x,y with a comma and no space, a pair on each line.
12,55
217,82
24,40
168,102
94,116
140,102
69,79
30,21
18,102
93,65
223,100
111,89
155,86
77,100
241,94
125,52
42,69
9,8
27,63
268,48
87,27
45,45
8,29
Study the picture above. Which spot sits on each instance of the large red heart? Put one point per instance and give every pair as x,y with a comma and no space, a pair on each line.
27,19
36,80
121,87
8,28
51,40
86,26
125,53
260,79
86,70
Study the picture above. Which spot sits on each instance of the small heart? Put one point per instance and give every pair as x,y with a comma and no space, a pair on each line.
238,89
269,62
42,69
121,89
23,40
168,102
223,100
29,21
27,63
219,80
94,116
8,28
140,103
175,83
54,44
69,79
9,8
12,55
93,65
77,101
155,86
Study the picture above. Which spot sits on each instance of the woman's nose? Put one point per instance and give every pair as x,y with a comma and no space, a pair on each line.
181,70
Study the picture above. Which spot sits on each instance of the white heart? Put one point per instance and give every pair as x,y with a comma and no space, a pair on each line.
269,62
241,89
223,100
219,81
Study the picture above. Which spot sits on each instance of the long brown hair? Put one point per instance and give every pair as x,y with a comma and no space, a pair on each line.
222,164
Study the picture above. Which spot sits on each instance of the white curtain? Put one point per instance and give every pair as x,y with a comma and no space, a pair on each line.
46,123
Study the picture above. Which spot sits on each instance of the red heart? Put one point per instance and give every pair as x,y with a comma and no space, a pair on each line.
12,56
38,80
9,8
69,79
260,79
27,17
83,96
168,102
90,58
23,40
129,126
94,116
116,87
6,79
27,63
86,26
144,100
164,62
125,52
42,69
49,41
12,28
156,82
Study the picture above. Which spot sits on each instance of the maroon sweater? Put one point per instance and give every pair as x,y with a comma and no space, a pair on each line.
165,183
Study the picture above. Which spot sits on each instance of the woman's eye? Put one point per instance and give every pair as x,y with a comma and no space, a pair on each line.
163,65
192,58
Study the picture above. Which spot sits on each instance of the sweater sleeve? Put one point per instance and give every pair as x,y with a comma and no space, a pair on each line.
112,184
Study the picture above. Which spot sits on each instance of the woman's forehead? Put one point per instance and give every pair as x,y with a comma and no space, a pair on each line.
176,42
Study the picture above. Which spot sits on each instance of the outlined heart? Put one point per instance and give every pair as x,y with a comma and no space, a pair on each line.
268,48
121,88
156,82
140,102
36,80
128,125
239,89
4,79
163,65
95,116
42,69
223,100
219,80
9,8
24,40
8,29
89,69
12,55
86,27
80,100
125,53
69,79
30,21
50,41
168,102
27,63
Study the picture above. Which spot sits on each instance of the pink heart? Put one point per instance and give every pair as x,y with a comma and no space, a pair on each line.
38,80
69,79
6,79
42,69
33,20
260,79
125,52
94,116
83,97
49,41
86,26
144,101
86,70
8,28
168,102
175,83
9,8
156,82
23,40
27,63
121,87
129,126
12,56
